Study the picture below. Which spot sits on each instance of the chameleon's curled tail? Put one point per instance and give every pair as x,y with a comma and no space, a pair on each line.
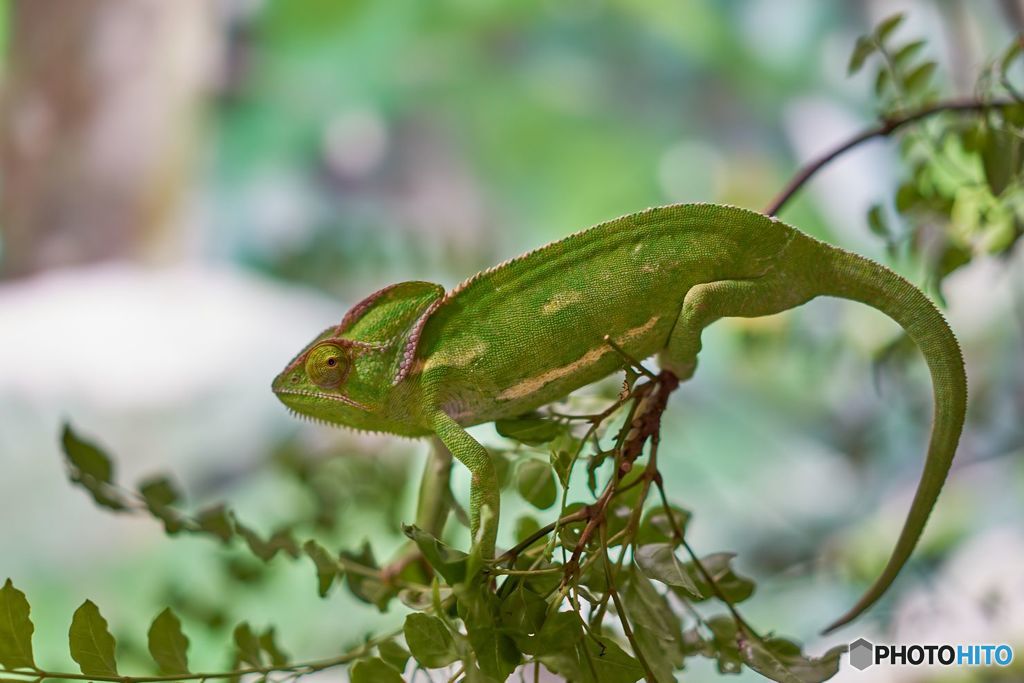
853,277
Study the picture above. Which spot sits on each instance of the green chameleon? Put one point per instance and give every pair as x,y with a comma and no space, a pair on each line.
415,360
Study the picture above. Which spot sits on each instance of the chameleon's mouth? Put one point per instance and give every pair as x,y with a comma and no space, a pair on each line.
340,398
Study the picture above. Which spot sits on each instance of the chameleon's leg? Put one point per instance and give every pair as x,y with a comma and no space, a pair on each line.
706,303
484,490
432,506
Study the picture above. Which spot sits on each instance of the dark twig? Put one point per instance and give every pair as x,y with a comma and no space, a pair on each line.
633,363
887,127
614,592
644,424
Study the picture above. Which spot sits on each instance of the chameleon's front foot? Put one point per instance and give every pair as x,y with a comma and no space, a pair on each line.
484,499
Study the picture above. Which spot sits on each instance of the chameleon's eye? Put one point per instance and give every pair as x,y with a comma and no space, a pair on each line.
326,366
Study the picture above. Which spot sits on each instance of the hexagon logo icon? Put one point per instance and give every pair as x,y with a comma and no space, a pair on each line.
861,654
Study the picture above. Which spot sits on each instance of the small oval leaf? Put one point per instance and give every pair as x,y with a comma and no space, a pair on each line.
888,25
374,670
533,430
326,566
905,53
249,649
268,641
658,561
91,467
216,522
919,78
535,482
167,644
429,640
15,629
861,51
92,646
394,654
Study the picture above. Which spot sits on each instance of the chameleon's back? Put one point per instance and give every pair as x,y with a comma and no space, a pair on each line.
531,330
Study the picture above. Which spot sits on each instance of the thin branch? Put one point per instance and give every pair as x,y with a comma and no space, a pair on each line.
633,362
887,127
302,667
511,554
614,592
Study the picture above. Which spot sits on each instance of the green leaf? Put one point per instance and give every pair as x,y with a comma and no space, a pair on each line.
268,642
907,197
611,663
569,534
92,646
557,646
877,223
502,468
525,527
216,522
656,527
429,640
887,26
327,568
861,51
366,588
882,81
281,541
394,654
656,627
532,430
905,53
248,646
561,455
159,491
167,644
92,468
734,588
561,630
374,670
536,484
160,494
496,653
724,644
781,660
1000,157
659,562
16,629
523,611
449,563
917,80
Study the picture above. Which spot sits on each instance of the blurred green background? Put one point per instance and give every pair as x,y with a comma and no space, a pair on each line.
190,190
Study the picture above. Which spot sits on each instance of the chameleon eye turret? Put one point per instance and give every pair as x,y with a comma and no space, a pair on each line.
327,365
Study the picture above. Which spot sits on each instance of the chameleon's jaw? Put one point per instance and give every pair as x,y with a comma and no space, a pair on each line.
305,401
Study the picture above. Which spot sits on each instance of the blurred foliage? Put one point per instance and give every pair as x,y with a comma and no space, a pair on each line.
964,196
403,108
485,618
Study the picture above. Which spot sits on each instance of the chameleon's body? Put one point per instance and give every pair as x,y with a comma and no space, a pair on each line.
414,360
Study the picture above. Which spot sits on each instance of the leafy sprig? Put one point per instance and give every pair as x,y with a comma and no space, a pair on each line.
589,596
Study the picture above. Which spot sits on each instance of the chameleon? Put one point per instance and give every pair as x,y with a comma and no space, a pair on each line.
414,360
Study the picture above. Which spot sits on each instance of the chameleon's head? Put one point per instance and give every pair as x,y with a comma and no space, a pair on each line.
352,374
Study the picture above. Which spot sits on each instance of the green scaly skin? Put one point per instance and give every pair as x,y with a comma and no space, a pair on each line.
416,361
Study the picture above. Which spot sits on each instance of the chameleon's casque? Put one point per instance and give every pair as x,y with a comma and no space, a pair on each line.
414,360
